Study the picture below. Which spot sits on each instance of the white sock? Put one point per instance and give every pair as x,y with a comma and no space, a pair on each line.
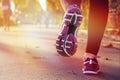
89,55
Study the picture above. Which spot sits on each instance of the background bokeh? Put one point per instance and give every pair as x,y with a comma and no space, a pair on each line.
48,12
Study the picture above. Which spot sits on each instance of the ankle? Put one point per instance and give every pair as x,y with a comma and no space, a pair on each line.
89,55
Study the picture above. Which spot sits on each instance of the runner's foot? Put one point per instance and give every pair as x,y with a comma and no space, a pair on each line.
90,66
66,43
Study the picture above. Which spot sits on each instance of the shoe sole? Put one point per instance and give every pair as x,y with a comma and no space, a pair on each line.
90,72
66,43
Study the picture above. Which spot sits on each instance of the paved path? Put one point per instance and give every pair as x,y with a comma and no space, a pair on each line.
28,53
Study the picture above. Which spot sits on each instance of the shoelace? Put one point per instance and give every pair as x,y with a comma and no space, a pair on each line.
90,62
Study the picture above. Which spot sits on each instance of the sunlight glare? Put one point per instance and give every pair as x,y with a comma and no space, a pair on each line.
12,6
43,4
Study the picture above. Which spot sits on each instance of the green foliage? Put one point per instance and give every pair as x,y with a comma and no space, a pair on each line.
21,4
54,6
29,5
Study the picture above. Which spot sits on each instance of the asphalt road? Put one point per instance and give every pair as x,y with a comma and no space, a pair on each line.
28,52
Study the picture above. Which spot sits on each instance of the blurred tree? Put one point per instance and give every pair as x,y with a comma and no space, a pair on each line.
28,5
114,3
114,16
85,11
21,4
29,8
55,8
1,14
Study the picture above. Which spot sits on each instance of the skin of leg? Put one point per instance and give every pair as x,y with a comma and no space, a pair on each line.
66,3
98,15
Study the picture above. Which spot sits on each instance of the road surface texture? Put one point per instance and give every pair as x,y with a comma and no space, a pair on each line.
27,52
